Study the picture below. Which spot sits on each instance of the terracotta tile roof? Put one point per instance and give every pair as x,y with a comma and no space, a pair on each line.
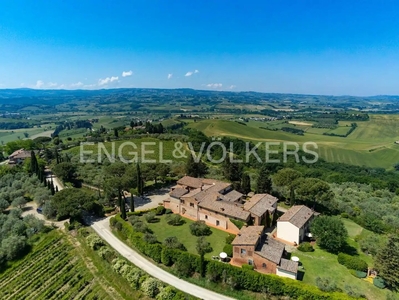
191,182
229,209
297,215
178,192
192,193
288,265
248,235
270,249
232,196
259,204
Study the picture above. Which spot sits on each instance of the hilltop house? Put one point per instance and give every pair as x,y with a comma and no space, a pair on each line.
19,156
252,246
217,203
293,225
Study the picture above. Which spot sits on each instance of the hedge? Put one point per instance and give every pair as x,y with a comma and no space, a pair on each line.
186,264
238,223
352,262
358,274
379,282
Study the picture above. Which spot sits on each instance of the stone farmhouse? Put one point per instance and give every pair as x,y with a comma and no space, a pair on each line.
217,203
253,247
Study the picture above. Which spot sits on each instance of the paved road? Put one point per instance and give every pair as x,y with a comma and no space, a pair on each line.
102,228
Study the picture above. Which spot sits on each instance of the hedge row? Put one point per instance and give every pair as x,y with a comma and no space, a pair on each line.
238,278
352,262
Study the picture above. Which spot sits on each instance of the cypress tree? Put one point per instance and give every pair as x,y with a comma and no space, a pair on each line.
387,262
246,184
52,189
263,182
139,181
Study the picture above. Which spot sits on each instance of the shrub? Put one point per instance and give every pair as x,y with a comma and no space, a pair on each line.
247,267
150,238
352,262
134,219
106,253
174,220
184,266
230,238
150,217
358,274
140,227
160,210
151,287
95,242
168,293
199,228
305,247
168,211
326,284
379,282
238,223
228,248
173,243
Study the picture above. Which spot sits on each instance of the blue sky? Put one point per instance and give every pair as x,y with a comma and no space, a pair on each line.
316,47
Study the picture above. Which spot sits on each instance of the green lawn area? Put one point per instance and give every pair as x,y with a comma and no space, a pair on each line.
323,264
163,230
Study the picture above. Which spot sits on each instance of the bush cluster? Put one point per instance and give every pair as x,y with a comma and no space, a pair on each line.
199,228
305,247
352,262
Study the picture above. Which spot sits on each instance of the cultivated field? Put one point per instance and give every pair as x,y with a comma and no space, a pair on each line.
370,144
52,270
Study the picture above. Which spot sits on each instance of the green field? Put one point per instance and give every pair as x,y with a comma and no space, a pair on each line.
52,270
160,150
162,230
370,144
323,264
18,134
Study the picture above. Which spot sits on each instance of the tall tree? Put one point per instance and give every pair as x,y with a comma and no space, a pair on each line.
203,247
246,184
119,177
34,166
288,177
116,133
232,170
314,190
387,262
330,233
140,183
263,181
65,171
195,169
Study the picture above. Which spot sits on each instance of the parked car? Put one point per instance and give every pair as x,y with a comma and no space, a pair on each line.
39,210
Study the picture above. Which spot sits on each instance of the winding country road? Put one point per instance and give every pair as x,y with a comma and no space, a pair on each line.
104,231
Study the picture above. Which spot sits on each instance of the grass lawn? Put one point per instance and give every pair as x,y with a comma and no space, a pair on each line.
323,264
162,230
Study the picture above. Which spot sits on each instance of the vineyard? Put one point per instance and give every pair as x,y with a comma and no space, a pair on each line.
52,270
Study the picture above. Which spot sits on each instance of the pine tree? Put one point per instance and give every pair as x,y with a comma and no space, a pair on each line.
122,205
56,188
49,184
263,182
246,184
387,262
116,133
